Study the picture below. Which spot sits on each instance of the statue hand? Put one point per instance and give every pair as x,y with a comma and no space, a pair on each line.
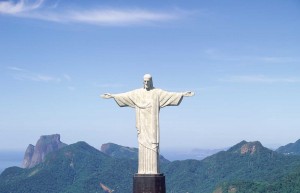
188,94
107,96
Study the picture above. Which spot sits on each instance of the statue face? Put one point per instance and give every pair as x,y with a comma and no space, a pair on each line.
147,83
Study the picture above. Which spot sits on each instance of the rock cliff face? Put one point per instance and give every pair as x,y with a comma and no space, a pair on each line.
28,156
36,154
251,148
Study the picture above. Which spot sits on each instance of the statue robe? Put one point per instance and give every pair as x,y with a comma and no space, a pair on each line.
147,105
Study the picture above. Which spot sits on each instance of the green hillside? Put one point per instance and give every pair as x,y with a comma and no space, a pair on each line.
290,149
247,162
118,151
287,184
77,168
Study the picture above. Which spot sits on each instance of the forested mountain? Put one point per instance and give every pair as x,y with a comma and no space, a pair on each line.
245,167
76,168
118,151
290,149
244,162
289,183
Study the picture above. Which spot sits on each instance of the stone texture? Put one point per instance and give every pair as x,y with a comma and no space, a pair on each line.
28,156
147,103
36,154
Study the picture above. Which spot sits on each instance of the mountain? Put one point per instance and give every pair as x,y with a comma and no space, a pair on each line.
290,149
81,168
36,154
75,168
118,151
246,162
289,182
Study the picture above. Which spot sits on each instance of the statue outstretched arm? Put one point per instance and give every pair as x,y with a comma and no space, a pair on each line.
107,96
188,94
122,99
172,98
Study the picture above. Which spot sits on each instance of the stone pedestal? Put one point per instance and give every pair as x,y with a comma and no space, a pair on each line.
149,183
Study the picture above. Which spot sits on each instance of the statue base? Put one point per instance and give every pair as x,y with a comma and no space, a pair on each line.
149,183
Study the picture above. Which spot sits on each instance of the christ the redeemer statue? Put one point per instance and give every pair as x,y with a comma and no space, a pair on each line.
147,102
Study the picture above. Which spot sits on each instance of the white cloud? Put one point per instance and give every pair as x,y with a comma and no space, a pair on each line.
112,16
260,79
36,77
27,75
27,9
106,16
22,6
23,74
15,68
44,78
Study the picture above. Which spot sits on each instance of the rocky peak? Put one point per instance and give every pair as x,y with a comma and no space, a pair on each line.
245,147
249,148
36,154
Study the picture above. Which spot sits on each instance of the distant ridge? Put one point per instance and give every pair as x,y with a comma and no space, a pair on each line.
79,168
118,151
290,149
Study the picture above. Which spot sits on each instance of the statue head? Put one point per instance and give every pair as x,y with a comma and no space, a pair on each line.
148,83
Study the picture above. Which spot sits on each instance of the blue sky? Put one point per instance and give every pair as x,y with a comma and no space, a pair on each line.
240,57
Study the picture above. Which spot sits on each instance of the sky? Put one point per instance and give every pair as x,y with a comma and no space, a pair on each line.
241,58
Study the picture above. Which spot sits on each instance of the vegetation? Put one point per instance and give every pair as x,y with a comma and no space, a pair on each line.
77,168
290,149
262,166
287,184
118,151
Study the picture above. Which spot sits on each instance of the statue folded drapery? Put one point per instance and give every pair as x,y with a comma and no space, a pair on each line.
147,102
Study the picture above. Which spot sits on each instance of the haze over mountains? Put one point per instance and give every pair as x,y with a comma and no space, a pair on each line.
81,168
10,158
